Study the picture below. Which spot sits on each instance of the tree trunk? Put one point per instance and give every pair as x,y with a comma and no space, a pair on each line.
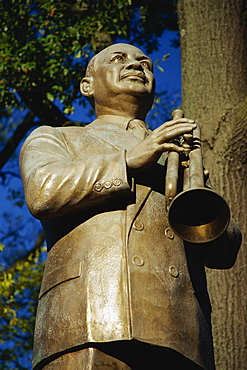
214,81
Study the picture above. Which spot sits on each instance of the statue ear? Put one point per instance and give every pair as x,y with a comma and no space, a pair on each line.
86,87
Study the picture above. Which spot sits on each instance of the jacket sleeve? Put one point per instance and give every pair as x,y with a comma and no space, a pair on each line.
56,181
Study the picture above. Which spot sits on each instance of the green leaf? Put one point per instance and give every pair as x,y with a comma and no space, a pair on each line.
160,68
165,57
49,96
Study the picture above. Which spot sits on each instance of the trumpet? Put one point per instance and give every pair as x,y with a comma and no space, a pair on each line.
197,214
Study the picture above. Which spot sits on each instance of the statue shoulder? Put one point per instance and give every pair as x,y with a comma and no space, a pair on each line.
56,132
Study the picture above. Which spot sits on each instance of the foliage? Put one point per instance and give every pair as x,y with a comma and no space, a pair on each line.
45,46
20,276
18,297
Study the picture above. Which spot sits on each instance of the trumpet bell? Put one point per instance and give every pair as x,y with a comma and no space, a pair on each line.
199,215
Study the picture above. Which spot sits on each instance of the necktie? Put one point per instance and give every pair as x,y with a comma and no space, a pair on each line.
138,129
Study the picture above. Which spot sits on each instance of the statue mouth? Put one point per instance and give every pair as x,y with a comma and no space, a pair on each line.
135,75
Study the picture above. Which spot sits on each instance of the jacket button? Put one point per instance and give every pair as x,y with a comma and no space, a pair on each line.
108,184
117,182
173,271
98,186
138,225
169,233
137,260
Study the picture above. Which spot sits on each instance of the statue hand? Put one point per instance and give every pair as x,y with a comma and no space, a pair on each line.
149,150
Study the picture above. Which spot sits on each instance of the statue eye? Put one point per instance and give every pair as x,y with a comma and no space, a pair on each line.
146,64
117,58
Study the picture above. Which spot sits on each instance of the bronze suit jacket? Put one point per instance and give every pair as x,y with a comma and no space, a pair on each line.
115,270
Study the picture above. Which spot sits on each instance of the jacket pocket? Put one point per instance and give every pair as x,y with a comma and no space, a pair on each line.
60,275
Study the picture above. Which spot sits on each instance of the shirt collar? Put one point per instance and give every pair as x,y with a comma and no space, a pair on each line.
117,120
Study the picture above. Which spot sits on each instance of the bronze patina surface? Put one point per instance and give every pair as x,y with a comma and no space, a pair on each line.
117,278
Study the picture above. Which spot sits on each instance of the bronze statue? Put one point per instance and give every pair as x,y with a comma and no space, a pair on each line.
120,289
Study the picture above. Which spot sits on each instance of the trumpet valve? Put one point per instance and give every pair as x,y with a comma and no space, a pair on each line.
187,148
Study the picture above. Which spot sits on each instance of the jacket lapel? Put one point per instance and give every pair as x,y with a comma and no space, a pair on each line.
142,193
121,139
113,134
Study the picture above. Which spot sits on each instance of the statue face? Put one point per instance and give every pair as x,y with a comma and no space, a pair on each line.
122,70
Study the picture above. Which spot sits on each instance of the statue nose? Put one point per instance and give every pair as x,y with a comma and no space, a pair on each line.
134,64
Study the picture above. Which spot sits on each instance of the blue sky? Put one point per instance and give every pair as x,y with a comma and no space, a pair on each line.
170,79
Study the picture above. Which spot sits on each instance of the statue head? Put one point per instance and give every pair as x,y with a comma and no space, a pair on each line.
120,79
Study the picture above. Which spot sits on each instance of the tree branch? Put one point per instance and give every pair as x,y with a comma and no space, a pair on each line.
14,141
49,113
37,246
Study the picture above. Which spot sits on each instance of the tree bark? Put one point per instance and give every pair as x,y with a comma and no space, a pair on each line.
214,84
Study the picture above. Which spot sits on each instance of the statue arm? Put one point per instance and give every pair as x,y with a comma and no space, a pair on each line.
57,181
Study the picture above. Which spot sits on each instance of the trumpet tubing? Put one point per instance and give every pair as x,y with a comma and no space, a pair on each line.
196,214
173,166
